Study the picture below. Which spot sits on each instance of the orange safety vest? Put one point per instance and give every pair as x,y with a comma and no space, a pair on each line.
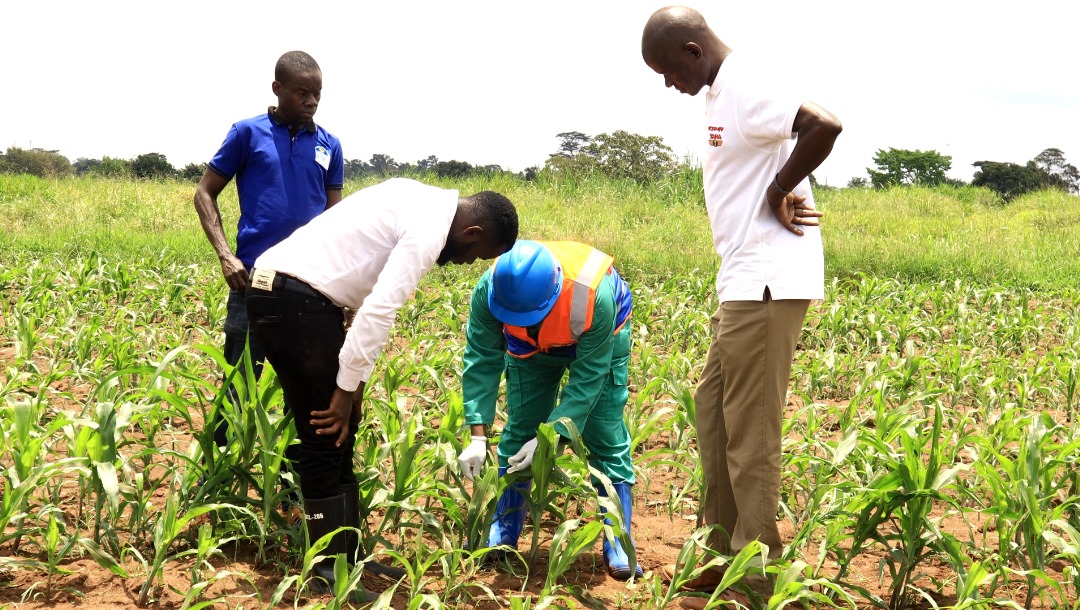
584,267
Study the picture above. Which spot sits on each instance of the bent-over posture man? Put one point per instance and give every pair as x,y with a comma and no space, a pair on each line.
542,311
367,253
761,145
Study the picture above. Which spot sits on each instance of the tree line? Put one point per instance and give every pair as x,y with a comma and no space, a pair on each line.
897,167
620,155
155,166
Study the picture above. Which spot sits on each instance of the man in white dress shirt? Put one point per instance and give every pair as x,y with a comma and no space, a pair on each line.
366,253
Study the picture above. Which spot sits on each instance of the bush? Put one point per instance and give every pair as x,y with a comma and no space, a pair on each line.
192,172
40,163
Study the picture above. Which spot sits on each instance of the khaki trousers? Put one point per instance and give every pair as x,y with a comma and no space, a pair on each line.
740,403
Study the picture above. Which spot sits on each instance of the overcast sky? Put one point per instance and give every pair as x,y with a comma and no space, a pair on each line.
493,82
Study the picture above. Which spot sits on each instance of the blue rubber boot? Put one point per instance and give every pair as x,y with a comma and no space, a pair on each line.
509,515
618,563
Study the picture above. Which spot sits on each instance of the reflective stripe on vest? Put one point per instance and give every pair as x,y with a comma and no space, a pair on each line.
585,284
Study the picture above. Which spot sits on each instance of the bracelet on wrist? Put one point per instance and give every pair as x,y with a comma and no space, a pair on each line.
776,183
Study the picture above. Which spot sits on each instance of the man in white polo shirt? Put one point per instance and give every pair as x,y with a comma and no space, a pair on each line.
761,146
366,253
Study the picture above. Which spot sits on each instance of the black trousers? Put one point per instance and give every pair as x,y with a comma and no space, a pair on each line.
301,333
237,339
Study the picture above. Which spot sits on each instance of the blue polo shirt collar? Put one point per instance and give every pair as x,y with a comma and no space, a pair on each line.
309,126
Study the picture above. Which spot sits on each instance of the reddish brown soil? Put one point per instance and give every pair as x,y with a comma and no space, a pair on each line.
659,539
251,584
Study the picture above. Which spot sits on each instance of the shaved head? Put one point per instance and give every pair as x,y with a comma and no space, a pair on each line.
678,45
673,25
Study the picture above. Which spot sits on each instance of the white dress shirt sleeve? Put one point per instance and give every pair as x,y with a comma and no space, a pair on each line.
411,258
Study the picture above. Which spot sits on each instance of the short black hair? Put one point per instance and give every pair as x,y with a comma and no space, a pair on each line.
292,63
497,214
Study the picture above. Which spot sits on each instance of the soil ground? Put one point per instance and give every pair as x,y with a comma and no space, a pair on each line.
250,584
247,583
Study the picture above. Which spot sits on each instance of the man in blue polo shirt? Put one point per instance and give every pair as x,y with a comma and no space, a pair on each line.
288,170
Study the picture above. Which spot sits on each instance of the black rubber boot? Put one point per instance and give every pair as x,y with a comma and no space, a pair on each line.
351,494
323,516
355,551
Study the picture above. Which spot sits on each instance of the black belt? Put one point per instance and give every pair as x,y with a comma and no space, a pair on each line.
285,282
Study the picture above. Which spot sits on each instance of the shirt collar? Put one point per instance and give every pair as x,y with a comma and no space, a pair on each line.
309,126
718,81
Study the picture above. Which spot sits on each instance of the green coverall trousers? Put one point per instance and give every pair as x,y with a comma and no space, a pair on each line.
532,393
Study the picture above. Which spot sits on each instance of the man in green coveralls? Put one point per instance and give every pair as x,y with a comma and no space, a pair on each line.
546,309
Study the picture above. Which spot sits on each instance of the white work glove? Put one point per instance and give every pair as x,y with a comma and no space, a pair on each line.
523,458
472,457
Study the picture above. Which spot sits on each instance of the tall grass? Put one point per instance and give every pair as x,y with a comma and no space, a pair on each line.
655,231
948,233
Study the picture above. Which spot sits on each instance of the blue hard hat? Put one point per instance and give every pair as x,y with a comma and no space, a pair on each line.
525,284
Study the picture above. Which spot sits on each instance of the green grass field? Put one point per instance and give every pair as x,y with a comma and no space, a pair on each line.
930,458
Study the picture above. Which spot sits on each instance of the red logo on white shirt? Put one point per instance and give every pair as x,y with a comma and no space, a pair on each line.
716,136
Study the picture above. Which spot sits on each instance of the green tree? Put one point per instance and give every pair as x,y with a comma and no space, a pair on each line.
571,143
36,162
898,167
192,172
82,165
619,155
858,182
428,164
114,168
152,166
356,168
1008,180
1058,172
452,169
580,165
383,165
622,154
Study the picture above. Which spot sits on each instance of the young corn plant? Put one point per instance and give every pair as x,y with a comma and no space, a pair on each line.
695,557
572,538
975,581
795,585
56,545
1028,507
406,445
894,509
417,567
28,445
102,437
203,573
816,490
544,475
925,477
170,524
479,510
